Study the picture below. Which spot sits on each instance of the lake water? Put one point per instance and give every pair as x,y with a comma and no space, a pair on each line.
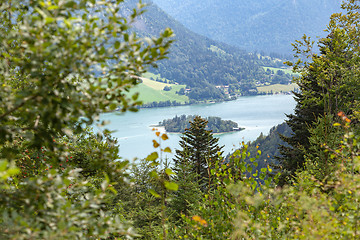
256,114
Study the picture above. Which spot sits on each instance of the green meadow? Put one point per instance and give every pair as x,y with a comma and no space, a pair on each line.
277,88
152,91
286,70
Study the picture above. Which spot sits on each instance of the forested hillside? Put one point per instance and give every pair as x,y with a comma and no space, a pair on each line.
268,144
59,180
202,63
261,25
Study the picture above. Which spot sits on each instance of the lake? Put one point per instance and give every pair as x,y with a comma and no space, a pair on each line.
255,113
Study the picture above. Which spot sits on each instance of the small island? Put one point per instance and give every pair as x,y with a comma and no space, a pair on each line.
178,124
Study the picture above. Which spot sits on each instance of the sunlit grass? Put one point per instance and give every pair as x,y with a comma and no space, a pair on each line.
277,88
152,91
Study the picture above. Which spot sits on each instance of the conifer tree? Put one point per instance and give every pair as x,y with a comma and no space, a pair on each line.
198,148
329,83
186,199
292,153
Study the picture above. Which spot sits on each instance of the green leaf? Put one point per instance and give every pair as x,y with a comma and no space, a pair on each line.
154,174
152,157
262,176
113,106
70,4
3,165
155,194
49,20
67,22
171,186
53,7
267,182
169,172
117,45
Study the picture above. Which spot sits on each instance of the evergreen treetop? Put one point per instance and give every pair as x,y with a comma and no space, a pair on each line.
198,148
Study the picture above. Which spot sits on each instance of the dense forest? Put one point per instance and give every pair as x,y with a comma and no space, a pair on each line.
61,68
268,144
214,124
202,63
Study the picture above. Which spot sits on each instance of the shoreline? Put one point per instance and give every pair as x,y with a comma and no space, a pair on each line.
217,101
162,129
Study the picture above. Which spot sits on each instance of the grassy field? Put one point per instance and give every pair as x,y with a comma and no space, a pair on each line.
286,70
277,88
152,91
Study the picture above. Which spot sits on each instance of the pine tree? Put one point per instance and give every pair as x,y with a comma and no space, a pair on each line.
292,153
329,84
186,199
198,149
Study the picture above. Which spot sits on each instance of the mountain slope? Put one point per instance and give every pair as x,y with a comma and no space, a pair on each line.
267,25
197,61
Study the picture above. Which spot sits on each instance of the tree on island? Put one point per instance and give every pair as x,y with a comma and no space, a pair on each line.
199,148
215,124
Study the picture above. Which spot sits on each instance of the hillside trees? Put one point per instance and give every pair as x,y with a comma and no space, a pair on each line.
62,63
329,84
291,211
198,62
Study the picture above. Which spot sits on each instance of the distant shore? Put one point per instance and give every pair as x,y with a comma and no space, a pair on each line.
162,129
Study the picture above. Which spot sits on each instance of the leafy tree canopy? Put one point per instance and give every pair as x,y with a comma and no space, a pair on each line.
62,63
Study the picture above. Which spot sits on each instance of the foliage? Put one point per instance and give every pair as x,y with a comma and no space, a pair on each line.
137,204
186,200
62,63
307,209
167,88
214,124
318,160
328,83
57,206
199,149
268,145
213,217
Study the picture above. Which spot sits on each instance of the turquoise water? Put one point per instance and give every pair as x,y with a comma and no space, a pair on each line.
256,114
